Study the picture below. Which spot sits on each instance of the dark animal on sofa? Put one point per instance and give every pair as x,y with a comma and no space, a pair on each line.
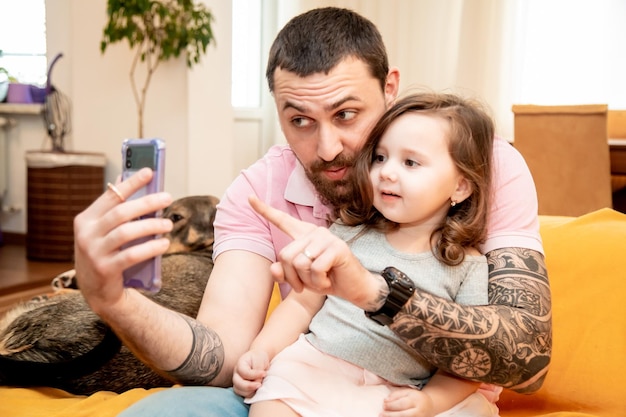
59,342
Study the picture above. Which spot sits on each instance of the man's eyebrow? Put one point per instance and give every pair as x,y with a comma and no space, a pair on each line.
302,109
340,102
291,105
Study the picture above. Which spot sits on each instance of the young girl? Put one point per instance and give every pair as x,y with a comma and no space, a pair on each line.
421,203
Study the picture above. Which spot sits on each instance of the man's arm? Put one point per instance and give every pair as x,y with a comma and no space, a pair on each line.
506,343
160,337
183,349
200,351
155,334
231,315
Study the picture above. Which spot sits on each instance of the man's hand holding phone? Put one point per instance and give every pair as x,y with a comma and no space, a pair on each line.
103,228
136,155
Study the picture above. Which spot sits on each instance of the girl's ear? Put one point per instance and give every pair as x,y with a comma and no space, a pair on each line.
463,190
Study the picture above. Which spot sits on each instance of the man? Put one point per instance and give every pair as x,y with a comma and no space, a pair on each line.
330,79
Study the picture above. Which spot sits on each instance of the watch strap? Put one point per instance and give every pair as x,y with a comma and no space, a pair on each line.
401,289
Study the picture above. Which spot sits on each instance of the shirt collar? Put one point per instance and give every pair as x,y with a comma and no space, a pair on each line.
300,191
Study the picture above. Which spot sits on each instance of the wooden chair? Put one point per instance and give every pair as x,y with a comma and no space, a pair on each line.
567,152
616,130
616,124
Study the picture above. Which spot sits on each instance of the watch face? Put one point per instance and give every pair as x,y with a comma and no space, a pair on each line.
406,281
397,277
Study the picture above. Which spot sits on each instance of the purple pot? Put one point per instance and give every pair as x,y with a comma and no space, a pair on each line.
38,94
25,93
19,93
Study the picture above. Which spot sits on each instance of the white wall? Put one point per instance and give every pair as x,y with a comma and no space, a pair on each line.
190,109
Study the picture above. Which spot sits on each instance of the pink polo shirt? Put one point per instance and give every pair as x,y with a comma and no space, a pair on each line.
279,179
513,219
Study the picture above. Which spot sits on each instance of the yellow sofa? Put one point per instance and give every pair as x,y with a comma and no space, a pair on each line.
586,259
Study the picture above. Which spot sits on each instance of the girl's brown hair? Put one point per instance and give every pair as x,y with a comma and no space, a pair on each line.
470,144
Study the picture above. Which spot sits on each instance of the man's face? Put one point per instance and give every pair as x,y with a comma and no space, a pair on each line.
326,119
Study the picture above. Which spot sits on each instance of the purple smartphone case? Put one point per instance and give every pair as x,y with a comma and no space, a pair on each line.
137,154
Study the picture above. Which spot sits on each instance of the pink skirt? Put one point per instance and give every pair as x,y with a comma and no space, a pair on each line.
315,384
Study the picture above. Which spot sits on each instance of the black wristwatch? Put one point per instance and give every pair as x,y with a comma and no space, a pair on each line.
401,288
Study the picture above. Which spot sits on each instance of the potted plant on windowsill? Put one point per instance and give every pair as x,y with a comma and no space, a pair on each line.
157,30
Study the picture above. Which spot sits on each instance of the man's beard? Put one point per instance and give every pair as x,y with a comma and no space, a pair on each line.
333,193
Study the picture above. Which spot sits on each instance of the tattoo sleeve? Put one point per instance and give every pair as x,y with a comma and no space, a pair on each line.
205,359
506,343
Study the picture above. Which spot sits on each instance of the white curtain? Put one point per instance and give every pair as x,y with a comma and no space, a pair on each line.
453,45
503,52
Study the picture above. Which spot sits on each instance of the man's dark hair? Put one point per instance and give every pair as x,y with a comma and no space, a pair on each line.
317,40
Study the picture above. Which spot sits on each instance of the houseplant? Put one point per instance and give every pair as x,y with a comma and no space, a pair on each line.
157,30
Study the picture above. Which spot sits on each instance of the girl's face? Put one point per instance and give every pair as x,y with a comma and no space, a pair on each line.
413,176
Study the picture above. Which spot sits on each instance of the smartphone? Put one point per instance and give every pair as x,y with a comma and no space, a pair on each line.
138,154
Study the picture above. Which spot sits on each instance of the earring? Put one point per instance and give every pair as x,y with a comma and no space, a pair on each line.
453,203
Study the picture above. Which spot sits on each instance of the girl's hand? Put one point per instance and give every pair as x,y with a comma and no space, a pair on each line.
249,372
408,402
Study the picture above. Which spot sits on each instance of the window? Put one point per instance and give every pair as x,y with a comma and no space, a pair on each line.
571,52
23,40
247,73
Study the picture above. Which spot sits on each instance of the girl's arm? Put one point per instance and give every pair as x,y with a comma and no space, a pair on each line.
290,318
440,394
445,390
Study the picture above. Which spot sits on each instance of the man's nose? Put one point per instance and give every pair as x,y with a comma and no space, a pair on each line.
329,143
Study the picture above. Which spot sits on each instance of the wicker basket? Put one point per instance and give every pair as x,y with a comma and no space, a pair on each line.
60,185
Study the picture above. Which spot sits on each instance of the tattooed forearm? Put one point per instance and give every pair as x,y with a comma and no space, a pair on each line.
507,342
383,293
205,359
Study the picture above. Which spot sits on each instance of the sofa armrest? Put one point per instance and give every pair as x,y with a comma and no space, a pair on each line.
586,261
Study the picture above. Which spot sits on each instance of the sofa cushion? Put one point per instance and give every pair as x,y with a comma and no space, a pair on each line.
52,402
586,261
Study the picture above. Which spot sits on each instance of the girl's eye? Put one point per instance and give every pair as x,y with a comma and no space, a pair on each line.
379,158
411,163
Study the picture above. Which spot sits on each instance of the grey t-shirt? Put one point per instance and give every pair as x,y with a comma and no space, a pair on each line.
342,330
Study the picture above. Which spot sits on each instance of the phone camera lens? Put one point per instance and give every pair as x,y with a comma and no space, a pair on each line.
129,152
129,164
